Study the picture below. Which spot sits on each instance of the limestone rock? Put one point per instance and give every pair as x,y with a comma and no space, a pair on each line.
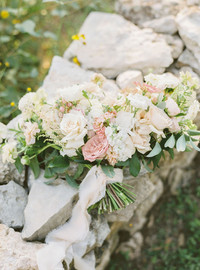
188,23
118,46
9,172
140,11
165,25
63,73
188,59
13,199
127,78
16,254
175,43
49,206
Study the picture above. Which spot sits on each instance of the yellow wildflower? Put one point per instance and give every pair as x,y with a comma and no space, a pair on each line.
15,21
76,37
7,64
4,14
76,61
0,64
83,36
28,89
12,104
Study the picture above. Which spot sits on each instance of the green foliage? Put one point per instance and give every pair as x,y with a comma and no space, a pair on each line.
32,32
134,165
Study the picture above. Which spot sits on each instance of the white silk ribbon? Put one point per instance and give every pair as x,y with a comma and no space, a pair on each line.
61,240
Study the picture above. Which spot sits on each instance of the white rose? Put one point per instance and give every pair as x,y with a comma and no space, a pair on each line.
9,152
166,80
125,120
73,127
193,110
3,132
139,101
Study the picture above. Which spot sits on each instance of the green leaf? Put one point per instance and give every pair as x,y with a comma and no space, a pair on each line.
181,144
34,165
135,165
156,150
170,142
194,145
48,173
71,181
59,162
108,170
79,171
193,132
19,165
146,166
171,152
156,160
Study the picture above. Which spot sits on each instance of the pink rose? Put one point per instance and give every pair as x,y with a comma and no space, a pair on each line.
172,107
95,148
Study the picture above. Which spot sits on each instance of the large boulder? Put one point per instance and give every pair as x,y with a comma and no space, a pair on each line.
16,254
49,206
114,45
188,22
13,199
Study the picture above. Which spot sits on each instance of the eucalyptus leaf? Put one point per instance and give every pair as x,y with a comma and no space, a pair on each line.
134,165
181,144
194,145
71,181
156,150
193,132
170,142
108,170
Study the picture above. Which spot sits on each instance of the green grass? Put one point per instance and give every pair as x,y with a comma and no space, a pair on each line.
175,218
27,50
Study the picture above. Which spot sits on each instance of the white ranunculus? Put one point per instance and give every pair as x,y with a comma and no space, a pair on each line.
3,132
193,110
163,81
9,151
125,120
139,101
73,127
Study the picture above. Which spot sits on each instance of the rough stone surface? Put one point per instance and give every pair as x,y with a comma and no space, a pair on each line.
140,11
62,74
188,59
9,172
175,43
188,22
165,25
137,49
13,199
16,254
127,78
48,207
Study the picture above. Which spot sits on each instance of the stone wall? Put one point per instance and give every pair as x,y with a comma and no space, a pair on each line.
165,39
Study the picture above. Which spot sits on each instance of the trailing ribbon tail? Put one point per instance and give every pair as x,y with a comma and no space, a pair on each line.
60,241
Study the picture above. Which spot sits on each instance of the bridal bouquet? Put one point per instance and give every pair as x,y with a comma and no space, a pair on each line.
85,125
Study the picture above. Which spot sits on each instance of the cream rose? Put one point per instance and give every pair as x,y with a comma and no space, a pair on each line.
141,142
172,107
73,127
158,118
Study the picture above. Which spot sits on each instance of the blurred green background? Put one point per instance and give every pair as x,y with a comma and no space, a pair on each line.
31,33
